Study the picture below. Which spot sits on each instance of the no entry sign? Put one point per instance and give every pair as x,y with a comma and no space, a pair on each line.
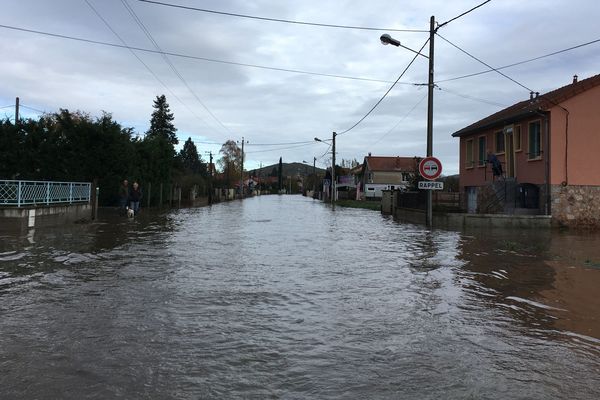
430,168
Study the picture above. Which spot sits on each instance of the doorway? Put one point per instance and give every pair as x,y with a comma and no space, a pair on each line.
509,152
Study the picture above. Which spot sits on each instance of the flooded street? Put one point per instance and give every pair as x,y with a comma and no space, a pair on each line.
281,297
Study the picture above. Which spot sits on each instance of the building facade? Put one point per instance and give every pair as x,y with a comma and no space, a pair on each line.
547,148
384,173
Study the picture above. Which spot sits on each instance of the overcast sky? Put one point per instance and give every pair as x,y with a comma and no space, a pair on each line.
214,102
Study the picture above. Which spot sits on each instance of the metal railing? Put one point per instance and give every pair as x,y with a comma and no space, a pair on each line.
23,193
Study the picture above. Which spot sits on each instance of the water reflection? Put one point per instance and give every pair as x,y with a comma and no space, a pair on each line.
280,296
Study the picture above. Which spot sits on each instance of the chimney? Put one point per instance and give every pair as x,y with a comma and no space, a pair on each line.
575,78
369,154
537,94
530,95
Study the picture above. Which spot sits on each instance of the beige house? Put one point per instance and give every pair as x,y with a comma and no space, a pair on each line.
383,173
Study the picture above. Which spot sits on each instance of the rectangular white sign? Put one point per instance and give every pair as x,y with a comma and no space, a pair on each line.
431,185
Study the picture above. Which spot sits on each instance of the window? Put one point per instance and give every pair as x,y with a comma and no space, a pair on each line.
469,153
535,140
517,138
482,153
499,136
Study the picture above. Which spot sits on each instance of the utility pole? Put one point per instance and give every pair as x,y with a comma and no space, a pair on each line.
314,176
17,111
242,172
259,177
210,178
429,216
333,185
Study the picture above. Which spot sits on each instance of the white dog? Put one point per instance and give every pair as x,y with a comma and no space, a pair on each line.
130,212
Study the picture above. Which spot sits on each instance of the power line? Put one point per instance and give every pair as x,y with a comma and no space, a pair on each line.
280,148
388,91
168,61
280,144
32,109
465,96
486,64
463,14
520,62
198,58
10,105
326,152
401,119
287,21
143,63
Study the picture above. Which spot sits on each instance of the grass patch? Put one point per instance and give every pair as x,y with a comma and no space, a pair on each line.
369,205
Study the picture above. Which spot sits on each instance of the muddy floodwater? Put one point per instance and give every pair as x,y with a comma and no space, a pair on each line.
281,297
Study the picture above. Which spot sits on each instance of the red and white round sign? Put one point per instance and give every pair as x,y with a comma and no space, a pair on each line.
430,168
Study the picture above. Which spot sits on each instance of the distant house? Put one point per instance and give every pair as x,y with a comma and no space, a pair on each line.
381,173
548,147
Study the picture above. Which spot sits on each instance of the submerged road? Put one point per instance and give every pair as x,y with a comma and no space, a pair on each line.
281,297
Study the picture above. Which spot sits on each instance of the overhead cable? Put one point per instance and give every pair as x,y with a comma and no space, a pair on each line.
280,144
401,119
188,56
387,92
168,61
484,63
144,64
520,62
465,96
287,21
280,148
463,14
32,109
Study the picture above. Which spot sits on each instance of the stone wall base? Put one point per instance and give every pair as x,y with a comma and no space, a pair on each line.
576,206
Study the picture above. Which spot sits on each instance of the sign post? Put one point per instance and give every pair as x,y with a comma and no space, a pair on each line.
430,168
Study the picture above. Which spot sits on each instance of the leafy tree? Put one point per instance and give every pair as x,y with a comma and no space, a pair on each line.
161,123
230,161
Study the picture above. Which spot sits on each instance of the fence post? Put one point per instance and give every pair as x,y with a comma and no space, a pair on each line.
70,192
160,195
96,197
19,195
149,192
47,193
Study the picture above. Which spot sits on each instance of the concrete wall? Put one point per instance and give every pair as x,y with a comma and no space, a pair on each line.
576,206
460,220
21,218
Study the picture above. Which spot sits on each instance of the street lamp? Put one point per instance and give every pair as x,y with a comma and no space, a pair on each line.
387,39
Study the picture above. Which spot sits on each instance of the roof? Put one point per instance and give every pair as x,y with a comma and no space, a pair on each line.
523,109
390,164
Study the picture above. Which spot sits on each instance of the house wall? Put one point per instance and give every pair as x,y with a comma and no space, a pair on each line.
583,141
526,170
391,178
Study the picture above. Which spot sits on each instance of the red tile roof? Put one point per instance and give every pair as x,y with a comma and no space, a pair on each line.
527,107
390,163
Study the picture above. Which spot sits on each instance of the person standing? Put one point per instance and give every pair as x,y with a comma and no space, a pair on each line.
135,196
123,196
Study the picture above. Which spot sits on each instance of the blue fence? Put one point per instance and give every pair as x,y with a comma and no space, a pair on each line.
24,193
